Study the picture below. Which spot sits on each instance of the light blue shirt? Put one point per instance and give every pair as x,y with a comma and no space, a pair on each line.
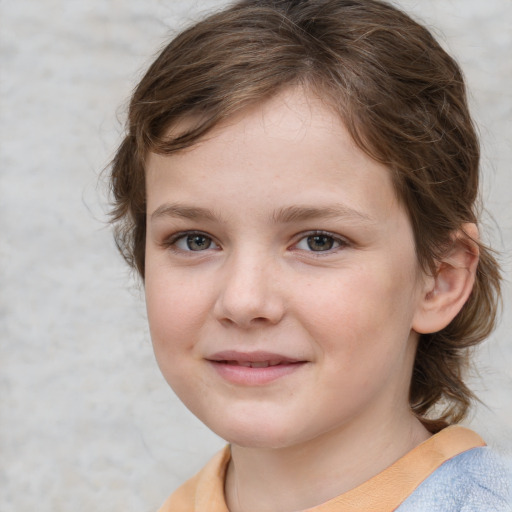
478,480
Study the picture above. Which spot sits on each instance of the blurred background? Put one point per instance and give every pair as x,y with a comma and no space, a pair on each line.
86,420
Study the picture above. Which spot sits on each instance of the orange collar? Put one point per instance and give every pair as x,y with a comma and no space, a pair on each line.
382,493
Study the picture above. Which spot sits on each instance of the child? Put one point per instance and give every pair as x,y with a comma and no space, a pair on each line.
297,190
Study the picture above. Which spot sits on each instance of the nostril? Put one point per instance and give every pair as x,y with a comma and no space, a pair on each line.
248,299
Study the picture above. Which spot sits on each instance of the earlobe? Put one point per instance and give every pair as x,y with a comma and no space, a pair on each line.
447,291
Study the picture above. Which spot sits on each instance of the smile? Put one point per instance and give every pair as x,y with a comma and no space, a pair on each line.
253,364
253,369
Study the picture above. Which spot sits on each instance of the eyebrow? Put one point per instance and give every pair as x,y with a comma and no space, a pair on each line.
302,213
182,211
284,215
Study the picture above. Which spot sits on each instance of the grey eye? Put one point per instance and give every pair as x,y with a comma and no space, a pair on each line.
198,242
195,242
320,242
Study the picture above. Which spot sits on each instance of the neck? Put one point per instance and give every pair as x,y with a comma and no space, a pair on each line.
303,476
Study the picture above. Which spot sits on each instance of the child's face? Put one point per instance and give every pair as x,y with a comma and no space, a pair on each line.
276,240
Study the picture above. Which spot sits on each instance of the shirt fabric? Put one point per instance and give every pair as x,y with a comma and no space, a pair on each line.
452,471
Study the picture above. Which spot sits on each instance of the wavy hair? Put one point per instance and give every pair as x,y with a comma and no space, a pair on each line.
403,100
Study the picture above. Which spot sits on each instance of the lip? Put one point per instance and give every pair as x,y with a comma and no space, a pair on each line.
253,368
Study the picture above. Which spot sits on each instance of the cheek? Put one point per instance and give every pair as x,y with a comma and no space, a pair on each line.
365,311
176,311
174,323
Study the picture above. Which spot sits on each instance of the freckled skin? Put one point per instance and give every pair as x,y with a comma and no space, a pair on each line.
347,311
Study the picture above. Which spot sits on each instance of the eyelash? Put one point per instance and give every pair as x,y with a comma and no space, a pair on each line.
337,241
172,241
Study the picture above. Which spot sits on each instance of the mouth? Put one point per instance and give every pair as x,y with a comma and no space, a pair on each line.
258,359
256,364
253,368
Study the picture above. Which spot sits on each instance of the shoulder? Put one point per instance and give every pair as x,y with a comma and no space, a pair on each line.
204,491
182,499
477,480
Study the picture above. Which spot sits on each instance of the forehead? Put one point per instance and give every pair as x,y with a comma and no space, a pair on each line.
306,102
291,115
291,148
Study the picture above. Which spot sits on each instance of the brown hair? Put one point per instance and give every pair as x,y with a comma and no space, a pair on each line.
401,96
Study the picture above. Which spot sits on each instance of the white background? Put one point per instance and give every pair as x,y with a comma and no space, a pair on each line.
86,421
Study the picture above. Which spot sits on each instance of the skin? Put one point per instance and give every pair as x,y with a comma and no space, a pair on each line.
347,305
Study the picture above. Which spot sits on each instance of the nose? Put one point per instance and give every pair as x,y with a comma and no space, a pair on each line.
249,293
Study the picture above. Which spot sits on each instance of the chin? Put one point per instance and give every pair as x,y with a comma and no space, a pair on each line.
256,433
258,440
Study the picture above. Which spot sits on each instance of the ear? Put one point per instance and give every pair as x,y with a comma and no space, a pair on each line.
448,290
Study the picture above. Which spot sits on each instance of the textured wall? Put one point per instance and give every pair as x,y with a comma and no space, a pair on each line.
86,421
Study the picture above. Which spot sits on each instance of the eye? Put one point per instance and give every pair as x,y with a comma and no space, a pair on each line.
193,242
320,242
